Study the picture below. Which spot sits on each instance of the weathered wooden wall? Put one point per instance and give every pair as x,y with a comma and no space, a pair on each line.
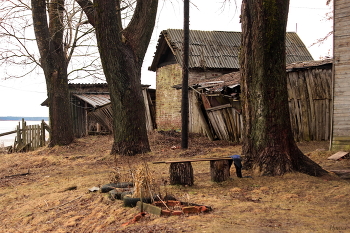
341,87
310,104
104,114
226,122
197,117
79,115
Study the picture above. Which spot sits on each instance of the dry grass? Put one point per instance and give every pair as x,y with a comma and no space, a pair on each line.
54,197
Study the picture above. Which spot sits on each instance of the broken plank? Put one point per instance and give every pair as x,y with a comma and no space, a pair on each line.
152,209
338,155
194,160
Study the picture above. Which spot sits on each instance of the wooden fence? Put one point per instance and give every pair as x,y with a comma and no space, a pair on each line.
28,137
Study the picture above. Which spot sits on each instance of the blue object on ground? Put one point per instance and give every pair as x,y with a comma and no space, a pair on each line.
235,156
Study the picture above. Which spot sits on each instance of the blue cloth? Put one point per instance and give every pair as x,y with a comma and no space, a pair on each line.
235,157
238,164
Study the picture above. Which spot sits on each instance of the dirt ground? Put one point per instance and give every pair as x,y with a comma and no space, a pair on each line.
54,195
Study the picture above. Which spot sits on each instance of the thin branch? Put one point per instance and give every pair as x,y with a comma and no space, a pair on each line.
21,174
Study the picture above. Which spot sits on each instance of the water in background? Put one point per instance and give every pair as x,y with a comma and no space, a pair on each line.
7,126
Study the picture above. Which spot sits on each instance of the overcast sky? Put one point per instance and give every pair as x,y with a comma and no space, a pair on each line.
22,97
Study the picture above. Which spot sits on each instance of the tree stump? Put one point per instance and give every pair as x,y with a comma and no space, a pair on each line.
181,173
219,170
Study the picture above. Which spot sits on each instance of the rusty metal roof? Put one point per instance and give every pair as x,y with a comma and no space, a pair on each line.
95,100
218,49
309,64
231,79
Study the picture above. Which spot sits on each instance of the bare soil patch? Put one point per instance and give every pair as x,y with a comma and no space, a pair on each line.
54,197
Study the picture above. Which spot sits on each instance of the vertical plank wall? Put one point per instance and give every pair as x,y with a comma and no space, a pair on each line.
310,103
341,79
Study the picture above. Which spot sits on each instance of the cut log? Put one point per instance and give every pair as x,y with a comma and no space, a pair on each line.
181,173
220,170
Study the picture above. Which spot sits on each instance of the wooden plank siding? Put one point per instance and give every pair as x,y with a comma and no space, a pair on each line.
226,122
104,115
79,115
341,79
310,105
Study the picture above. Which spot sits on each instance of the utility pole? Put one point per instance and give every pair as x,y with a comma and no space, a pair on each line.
184,102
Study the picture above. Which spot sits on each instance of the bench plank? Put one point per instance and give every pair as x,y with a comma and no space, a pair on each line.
193,160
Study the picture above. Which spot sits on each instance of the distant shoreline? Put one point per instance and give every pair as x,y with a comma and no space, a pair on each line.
12,118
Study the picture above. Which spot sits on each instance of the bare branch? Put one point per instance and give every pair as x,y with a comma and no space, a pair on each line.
88,8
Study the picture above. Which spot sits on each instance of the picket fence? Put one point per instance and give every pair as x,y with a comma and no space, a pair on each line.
28,137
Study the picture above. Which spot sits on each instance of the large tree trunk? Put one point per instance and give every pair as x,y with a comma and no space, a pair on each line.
122,53
53,62
123,78
268,141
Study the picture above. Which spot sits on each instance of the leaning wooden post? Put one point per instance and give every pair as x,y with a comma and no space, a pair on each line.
42,135
19,138
24,133
37,136
219,170
181,173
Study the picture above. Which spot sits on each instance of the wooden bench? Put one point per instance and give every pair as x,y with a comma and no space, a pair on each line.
181,171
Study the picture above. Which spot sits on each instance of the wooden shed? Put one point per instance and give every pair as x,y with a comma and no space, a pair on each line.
309,96
212,54
92,112
341,76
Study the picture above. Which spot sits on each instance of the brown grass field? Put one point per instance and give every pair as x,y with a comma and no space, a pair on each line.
44,200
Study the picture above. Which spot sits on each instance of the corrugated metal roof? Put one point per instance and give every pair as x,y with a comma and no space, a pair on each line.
218,49
96,100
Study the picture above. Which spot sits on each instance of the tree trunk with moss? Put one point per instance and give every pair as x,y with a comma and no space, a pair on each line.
122,52
49,38
268,142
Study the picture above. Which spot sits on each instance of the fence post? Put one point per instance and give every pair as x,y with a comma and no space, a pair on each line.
19,138
42,136
24,133
37,137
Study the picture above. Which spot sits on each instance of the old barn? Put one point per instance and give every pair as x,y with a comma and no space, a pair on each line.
212,54
215,106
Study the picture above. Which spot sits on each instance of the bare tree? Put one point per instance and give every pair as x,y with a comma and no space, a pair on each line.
122,52
268,142
21,52
328,17
49,37
63,38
